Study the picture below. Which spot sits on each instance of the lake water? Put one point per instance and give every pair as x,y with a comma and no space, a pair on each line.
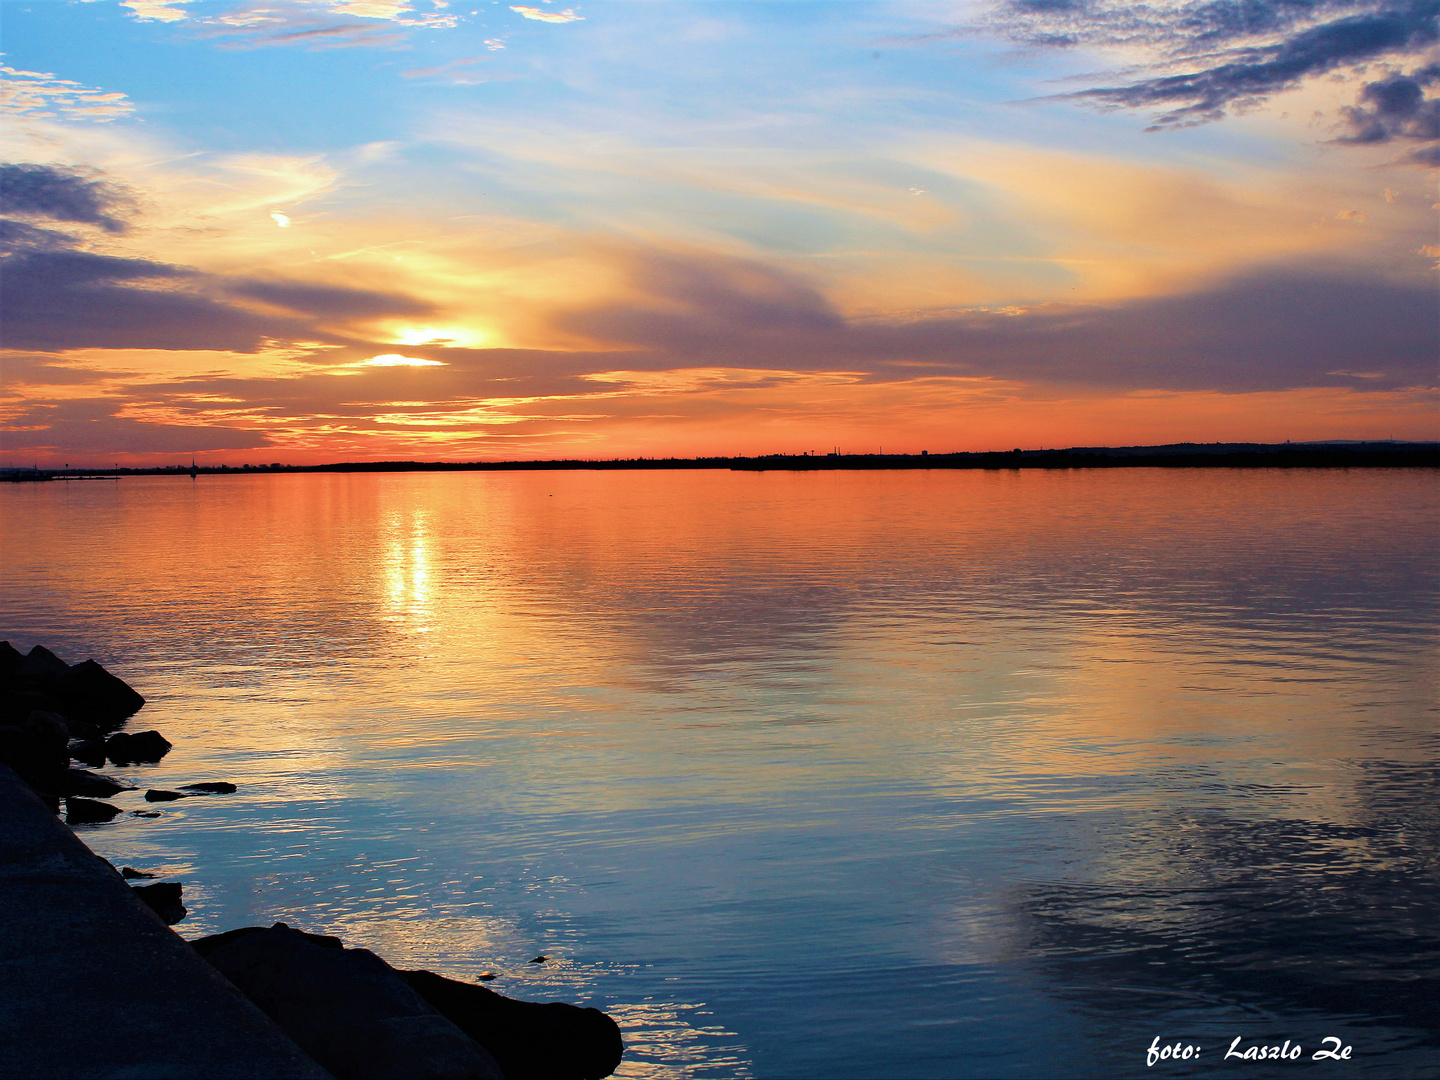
867,774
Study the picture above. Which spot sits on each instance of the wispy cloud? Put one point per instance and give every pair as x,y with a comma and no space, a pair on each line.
39,94
371,9
156,10
396,11
568,15
333,36
458,72
312,23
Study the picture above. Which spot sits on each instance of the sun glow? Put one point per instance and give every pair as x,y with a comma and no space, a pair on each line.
445,337
396,360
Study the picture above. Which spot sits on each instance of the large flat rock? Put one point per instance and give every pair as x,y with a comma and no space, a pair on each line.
93,984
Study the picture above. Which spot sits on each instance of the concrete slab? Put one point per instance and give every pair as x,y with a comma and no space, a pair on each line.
93,984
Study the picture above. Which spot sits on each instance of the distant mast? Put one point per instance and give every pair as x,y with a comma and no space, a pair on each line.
194,472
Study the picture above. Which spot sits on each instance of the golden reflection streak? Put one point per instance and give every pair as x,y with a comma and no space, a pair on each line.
407,570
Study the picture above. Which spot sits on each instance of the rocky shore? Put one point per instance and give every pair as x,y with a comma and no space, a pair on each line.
280,1002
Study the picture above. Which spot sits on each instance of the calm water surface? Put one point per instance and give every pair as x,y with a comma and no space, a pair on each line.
928,774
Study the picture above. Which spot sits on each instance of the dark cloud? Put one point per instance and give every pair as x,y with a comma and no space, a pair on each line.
18,236
1277,328
59,300
1187,28
58,296
1397,108
61,194
91,426
19,370
715,304
1198,96
1223,57
469,375
1273,329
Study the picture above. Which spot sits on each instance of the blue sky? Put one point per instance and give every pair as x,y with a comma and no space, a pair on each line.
621,228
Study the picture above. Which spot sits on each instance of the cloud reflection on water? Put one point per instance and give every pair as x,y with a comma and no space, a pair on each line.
794,772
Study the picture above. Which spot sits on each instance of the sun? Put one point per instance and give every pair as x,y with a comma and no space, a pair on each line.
396,360
445,337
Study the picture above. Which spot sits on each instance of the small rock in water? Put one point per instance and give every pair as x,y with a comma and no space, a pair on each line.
88,811
147,813
210,787
486,976
160,795
129,873
125,748
539,960
163,899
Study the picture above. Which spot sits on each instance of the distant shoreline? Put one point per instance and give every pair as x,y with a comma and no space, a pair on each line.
1346,455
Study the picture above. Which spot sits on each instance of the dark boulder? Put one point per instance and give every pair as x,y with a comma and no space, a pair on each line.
38,748
164,900
146,813
88,812
530,1040
210,787
87,691
126,748
161,795
348,1009
39,666
10,658
129,873
16,705
80,782
208,944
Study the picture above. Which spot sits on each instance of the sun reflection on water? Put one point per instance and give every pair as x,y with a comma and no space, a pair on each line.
908,768
405,564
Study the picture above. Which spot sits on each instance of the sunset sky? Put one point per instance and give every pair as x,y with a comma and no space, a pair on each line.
323,230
